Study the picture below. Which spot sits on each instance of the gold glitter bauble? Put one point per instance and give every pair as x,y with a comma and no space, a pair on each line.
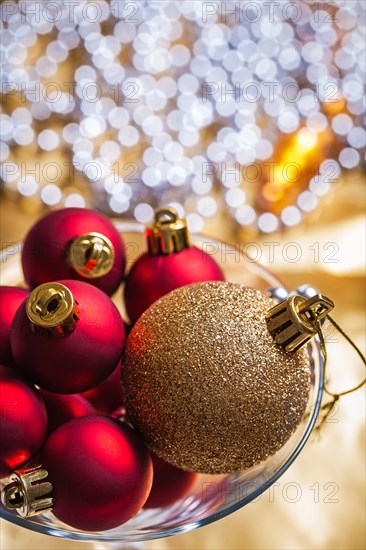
206,384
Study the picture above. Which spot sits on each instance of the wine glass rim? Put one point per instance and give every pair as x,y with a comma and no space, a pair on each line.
144,535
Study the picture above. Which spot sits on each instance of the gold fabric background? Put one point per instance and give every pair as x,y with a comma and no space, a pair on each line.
327,481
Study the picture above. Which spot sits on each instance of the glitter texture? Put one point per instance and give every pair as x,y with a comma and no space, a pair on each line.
205,383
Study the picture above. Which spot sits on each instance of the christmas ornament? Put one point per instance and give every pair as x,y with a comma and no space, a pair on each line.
107,396
62,408
74,243
205,382
120,414
28,492
169,484
10,299
23,422
67,336
171,262
100,470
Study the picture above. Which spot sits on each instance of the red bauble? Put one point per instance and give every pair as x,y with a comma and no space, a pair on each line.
101,472
108,395
171,262
10,299
153,276
23,422
47,254
169,485
81,359
120,414
62,408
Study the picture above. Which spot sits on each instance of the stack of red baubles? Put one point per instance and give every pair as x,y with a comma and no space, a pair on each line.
61,398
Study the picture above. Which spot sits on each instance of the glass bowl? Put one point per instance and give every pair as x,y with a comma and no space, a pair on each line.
213,497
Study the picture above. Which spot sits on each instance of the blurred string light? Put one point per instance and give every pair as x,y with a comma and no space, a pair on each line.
183,103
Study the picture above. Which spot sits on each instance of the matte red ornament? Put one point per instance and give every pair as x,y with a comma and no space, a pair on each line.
67,337
101,472
74,243
169,484
107,396
170,263
23,422
61,408
120,414
10,299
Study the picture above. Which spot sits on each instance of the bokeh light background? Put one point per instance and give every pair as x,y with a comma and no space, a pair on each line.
245,109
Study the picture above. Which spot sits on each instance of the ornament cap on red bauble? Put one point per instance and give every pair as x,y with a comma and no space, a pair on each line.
67,337
171,262
28,492
168,233
51,307
91,255
74,243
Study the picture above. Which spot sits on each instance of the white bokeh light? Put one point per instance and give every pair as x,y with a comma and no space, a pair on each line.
48,140
143,213
268,222
51,194
27,186
291,216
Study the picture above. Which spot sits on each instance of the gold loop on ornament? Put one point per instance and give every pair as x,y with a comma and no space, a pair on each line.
28,492
294,321
51,307
91,255
291,322
168,233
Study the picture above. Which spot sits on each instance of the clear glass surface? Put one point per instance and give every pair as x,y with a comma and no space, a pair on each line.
213,497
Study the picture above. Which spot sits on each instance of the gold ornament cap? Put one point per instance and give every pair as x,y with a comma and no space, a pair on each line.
28,493
51,307
292,322
168,234
91,255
